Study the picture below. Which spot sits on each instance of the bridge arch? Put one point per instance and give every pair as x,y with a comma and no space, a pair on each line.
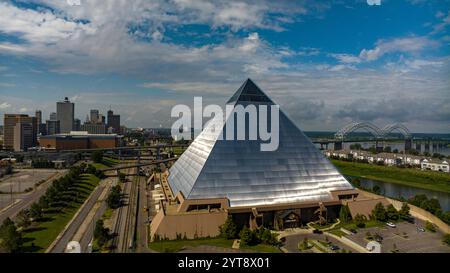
371,128
396,126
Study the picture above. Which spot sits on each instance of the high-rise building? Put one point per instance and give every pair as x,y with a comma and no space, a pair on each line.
94,128
38,117
53,127
114,122
94,116
65,112
10,121
77,125
53,116
23,136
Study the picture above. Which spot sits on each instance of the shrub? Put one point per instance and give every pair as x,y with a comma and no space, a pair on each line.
379,212
344,214
360,221
446,239
392,213
430,227
247,236
229,229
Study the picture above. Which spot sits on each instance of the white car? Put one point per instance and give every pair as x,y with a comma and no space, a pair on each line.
390,224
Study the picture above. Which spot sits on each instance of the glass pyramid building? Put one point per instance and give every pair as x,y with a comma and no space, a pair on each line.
297,172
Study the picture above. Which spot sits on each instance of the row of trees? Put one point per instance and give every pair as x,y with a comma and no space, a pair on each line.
56,198
229,231
431,205
379,213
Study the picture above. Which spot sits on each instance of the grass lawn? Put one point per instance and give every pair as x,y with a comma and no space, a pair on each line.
99,166
39,237
410,177
262,248
108,161
178,245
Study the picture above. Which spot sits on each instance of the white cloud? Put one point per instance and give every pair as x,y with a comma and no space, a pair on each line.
346,58
4,105
406,44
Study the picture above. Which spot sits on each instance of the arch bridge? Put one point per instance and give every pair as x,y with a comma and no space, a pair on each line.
378,133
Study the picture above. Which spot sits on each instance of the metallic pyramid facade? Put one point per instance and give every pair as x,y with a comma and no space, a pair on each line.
296,172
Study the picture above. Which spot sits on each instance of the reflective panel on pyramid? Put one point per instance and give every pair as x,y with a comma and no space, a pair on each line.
238,170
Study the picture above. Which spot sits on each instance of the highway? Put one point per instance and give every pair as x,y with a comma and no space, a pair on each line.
76,223
28,199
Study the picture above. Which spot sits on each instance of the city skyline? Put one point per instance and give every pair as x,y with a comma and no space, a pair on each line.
325,63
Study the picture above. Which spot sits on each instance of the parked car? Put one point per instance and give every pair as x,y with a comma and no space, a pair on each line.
420,229
390,224
353,231
334,247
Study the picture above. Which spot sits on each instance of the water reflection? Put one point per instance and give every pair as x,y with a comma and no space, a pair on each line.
396,191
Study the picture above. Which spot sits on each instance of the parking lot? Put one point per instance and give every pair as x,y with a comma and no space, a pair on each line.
405,237
292,241
21,180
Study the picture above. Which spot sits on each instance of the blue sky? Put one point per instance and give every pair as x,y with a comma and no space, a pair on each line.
325,62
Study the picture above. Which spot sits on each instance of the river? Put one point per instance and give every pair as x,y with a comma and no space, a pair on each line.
396,191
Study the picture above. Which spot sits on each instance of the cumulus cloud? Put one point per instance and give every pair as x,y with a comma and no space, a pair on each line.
405,44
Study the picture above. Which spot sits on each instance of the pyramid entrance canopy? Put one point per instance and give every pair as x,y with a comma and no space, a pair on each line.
297,172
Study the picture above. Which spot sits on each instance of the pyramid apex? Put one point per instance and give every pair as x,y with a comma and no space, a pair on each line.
249,92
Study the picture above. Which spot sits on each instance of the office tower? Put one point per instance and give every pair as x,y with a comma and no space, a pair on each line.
100,119
77,125
94,116
38,117
10,121
65,111
53,116
53,127
23,136
114,122
94,128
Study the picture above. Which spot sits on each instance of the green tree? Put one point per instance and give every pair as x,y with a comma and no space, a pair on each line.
229,229
246,236
114,199
23,218
35,212
101,234
97,156
404,211
392,213
379,212
10,238
122,177
344,214
360,220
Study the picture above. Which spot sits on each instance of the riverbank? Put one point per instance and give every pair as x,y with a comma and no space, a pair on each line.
409,177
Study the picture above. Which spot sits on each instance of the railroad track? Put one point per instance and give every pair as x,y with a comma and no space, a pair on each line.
124,227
